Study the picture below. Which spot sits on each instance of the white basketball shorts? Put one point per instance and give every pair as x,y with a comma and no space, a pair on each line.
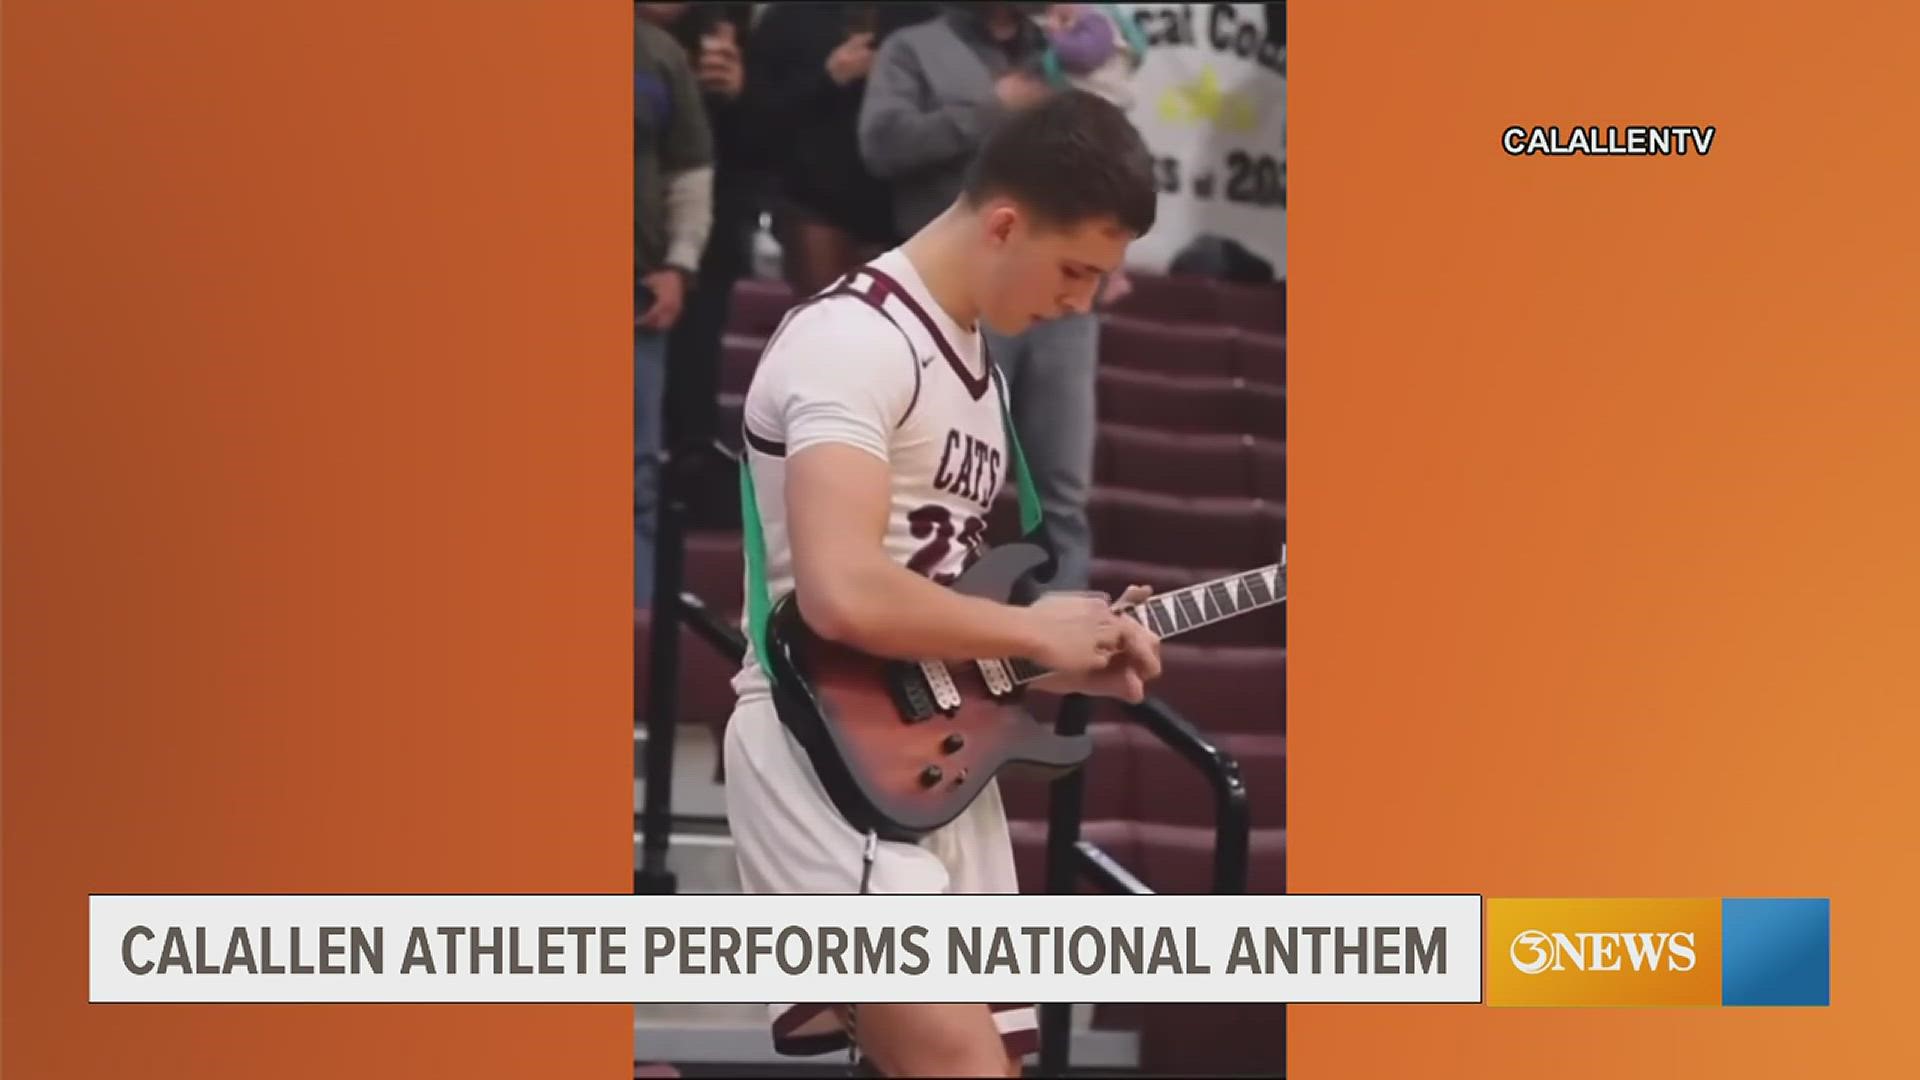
788,838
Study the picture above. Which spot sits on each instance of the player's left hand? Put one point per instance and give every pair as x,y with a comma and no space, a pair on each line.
1126,676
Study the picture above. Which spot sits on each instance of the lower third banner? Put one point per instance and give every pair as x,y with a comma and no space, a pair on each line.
880,948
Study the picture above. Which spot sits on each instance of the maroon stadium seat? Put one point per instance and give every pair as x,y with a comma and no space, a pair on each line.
1182,1039
1260,357
1167,789
1269,470
1168,347
713,570
1208,531
1181,298
706,694
1109,776
728,423
1226,688
1134,776
739,355
1116,837
1113,576
1257,308
1170,298
758,304
1209,405
1166,858
1179,858
1174,464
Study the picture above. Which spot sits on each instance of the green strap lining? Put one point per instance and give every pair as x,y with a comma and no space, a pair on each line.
1030,512
754,544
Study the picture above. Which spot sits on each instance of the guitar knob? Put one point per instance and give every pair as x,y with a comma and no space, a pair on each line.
930,776
952,743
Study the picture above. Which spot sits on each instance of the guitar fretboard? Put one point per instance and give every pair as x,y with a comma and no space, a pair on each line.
1193,607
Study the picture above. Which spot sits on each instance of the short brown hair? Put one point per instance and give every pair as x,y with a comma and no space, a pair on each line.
1069,159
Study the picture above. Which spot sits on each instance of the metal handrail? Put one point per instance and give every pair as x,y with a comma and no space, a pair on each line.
672,608
1233,815
1069,857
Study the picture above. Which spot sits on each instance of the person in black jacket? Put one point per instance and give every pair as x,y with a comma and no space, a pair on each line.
716,38
809,64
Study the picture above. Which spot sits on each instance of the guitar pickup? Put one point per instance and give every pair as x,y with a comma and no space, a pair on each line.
911,694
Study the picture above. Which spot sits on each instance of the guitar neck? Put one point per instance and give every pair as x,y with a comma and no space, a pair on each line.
1182,610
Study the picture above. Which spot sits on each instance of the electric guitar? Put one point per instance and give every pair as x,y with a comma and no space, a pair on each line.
903,747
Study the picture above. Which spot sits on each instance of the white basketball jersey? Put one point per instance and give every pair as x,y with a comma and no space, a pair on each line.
875,363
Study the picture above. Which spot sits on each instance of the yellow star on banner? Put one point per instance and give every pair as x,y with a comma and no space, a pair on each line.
1202,102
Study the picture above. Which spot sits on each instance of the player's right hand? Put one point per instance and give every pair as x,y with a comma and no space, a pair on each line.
1074,633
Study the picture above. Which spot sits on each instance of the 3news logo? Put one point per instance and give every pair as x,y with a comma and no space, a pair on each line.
1657,952
1535,951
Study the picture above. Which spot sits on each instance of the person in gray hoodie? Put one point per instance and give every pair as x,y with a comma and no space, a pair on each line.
934,93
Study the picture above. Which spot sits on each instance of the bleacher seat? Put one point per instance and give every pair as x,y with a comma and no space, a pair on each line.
1167,347
1166,858
1171,298
713,570
731,406
1236,533
739,355
1183,299
1134,776
1201,404
706,696
1255,308
1113,576
758,304
1226,688
1175,463
1260,357
1269,470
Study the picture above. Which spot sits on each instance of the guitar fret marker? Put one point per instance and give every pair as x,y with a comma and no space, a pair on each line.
1189,611
1256,584
1208,608
1222,597
1157,619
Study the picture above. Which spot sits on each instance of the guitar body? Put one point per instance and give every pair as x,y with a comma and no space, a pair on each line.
891,764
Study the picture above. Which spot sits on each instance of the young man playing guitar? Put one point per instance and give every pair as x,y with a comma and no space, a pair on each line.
876,443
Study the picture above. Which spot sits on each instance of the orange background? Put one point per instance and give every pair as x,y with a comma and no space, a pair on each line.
1603,501
316,548
315,418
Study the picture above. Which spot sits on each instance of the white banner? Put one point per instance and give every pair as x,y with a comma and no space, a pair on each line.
1210,98
719,949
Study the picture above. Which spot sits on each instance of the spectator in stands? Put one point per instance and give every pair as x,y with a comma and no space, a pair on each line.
672,212
935,91
1093,47
716,38
810,64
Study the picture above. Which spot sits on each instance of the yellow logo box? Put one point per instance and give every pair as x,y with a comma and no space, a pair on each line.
1603,952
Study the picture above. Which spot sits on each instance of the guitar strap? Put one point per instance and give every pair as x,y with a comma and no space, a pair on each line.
753,542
